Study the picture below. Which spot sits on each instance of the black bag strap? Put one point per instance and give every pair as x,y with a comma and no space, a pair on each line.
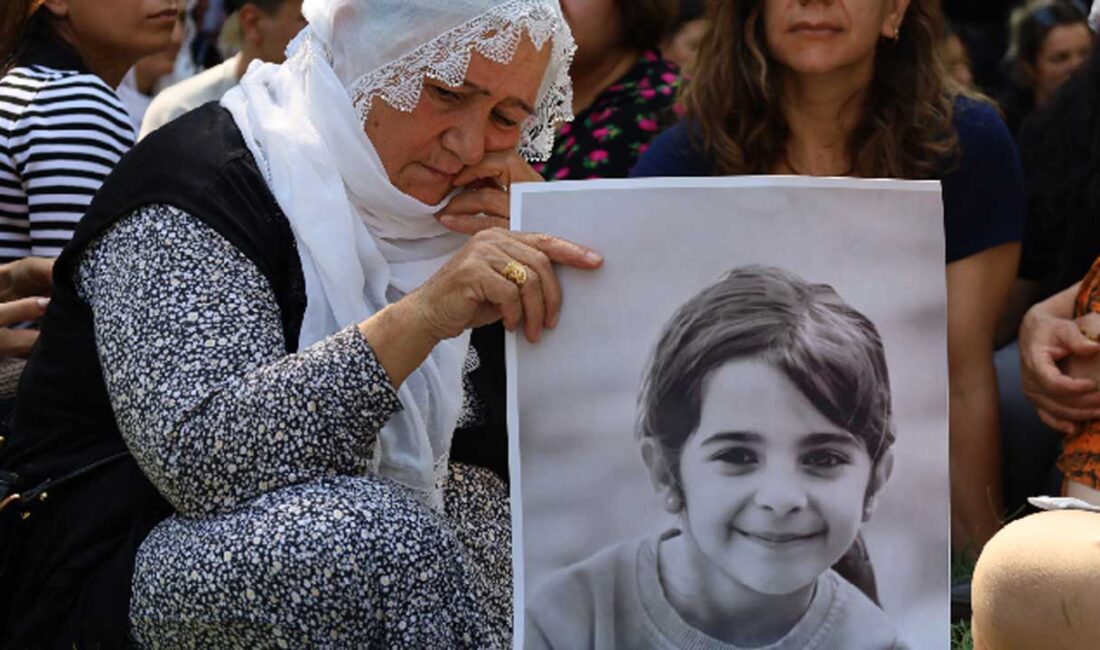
10,482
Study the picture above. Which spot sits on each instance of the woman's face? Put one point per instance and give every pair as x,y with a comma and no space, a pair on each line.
597,26
824,36
118,28
1064,49
453,128
957,61
773,492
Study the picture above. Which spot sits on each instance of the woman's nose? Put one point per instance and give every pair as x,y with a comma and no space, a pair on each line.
466,140
780,494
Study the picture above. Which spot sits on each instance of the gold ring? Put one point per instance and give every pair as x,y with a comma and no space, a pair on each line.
515,272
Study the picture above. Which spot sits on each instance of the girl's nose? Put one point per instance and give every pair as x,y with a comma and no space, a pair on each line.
780,495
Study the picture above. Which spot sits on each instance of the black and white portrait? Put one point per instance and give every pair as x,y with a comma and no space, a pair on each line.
736,436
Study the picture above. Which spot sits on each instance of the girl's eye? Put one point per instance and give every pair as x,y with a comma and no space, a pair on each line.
737,456
825,459
448,96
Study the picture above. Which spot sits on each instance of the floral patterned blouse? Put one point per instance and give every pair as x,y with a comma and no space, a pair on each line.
606,139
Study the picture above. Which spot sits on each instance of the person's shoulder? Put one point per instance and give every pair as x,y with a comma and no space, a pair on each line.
186,95
572,603
675,152
859,622
584,580
53,86
979,126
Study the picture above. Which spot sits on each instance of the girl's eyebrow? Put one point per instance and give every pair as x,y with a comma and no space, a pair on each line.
733,436
822,439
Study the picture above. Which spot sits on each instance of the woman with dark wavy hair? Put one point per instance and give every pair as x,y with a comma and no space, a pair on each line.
856,88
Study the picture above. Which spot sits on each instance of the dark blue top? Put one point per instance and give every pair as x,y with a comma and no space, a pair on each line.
983,193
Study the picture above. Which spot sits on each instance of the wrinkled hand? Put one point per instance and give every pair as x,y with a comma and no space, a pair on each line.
1061,401
469,291
18,343
484,202
30,276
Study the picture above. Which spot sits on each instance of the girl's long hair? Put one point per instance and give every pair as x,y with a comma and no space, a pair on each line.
735,103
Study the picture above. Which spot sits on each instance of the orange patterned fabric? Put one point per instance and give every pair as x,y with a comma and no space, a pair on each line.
1080,460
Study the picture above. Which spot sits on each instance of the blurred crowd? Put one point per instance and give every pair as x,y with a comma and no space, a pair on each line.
1006,91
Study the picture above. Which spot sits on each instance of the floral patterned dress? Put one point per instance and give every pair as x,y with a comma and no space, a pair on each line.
608,137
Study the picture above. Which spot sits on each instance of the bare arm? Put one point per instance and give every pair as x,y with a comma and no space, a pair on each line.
977,288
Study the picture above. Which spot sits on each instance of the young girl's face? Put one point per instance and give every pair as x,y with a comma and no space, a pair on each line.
773,491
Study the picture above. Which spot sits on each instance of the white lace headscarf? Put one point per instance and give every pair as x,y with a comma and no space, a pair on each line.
1094,16
362,242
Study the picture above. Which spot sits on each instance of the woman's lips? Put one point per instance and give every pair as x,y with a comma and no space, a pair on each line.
816,29
440,174
168,14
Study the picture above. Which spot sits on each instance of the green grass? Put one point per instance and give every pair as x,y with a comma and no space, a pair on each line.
960,636
962,568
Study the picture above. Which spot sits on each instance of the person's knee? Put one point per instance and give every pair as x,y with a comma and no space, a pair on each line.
1037,584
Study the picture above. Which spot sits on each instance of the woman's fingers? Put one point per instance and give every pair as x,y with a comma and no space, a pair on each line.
471,224
22,310
562,251
484,200
1052,381
1065,426
503,168
543,269
18,342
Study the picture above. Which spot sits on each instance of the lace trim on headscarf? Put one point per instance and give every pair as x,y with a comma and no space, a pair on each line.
495,35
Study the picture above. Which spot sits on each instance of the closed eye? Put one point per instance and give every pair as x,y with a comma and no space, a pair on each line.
505,121
444,95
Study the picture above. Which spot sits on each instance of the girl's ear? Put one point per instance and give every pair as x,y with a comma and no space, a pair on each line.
880,473
660,474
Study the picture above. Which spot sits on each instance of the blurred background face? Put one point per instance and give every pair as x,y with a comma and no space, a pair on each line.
152,68
117,27
597,26
684,44
1064,50
823,36
956,60
268,34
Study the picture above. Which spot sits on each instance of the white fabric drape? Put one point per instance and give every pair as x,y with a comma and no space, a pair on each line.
362,242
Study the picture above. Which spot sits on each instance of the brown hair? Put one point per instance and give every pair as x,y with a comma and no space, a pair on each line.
18,20
905,130
646,23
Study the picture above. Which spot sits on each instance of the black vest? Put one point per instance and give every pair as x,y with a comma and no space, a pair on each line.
71,559
70,562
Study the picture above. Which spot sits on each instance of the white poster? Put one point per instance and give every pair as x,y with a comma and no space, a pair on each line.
736,436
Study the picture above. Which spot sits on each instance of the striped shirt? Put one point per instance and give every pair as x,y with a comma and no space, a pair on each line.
61,133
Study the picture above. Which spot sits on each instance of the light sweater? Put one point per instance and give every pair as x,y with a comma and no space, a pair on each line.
615,600
189,94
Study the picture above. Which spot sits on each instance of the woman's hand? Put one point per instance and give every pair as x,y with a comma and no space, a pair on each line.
471,290
30,276
1047,336
484,202
18,342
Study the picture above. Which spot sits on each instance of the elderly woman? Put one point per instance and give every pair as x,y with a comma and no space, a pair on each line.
263,307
